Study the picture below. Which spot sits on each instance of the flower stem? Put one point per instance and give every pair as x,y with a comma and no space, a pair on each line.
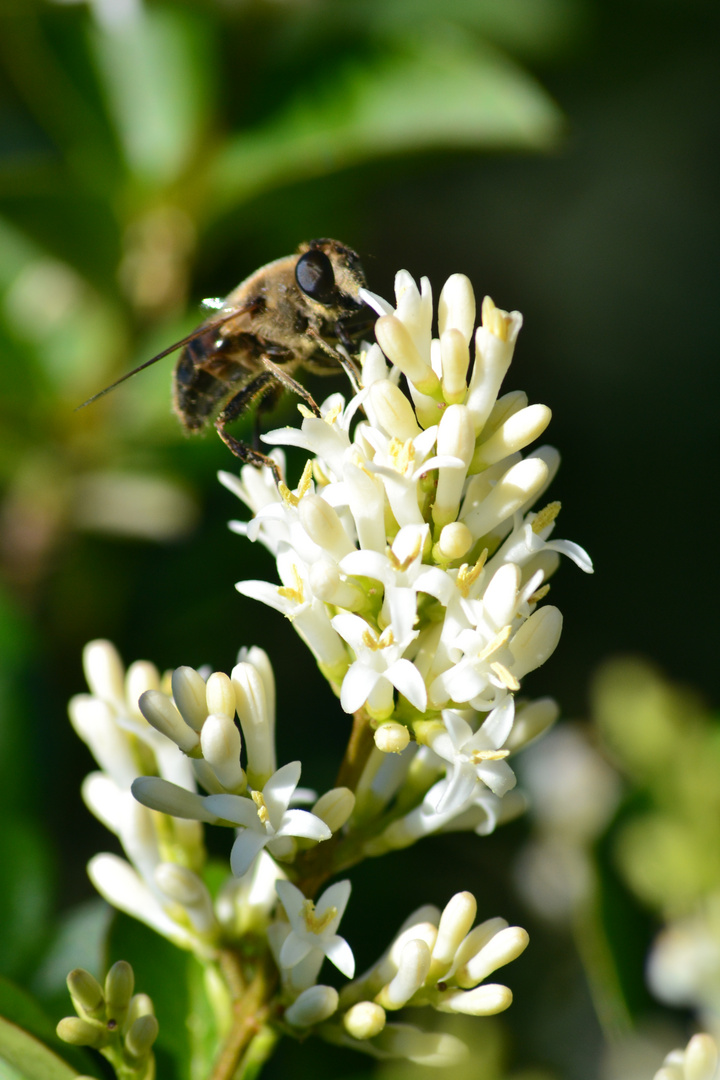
250,1014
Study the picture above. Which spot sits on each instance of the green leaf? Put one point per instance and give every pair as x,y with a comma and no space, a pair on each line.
155,72
25,1032
22,1056
447,91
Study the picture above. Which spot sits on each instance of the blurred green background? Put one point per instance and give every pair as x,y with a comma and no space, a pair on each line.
563,154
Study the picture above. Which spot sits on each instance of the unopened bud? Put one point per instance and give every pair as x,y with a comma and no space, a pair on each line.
220,695
188,688
221,744
393,411
364,1020
79,1032
314,1005
140,1037
86,993
392,738
482,1001
159,711
119,986
335,807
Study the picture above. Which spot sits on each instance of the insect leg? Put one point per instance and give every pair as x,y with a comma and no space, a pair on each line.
340,355
242,401
291,384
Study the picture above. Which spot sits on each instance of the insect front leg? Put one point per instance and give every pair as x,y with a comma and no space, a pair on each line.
258,387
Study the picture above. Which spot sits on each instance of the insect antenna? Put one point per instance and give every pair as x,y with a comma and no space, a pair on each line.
204,329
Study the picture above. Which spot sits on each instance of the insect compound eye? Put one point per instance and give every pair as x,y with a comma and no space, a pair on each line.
314,274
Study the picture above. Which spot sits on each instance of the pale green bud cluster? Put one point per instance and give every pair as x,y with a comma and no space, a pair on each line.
112,1019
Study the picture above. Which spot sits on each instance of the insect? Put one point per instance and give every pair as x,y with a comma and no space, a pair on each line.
301,311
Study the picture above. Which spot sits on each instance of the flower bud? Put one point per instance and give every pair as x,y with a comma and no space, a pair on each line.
158,710
412,971
455,360
119,986
104,671
400,349
482,1001
140,1037
393,411
221,744
455,922
536,640
364,1020
220,695
78,1032
392,738
188,688
86,993
456,307
503,947
521,483
258,723
323,525
314,1005
455,541
335,807
517,432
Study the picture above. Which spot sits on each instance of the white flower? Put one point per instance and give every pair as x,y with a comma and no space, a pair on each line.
474,757
264,819
313,933
379,666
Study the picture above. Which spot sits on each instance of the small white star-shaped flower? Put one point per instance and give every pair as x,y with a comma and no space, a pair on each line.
474,757
379,666
313,928
265,821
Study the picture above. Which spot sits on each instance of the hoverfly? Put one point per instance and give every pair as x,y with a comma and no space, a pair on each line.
301,311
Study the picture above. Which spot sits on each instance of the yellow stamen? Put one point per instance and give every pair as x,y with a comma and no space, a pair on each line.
402,455
506,677
406,563
538,594
296,592
303,487
495,320
372,642
315,924
545,517
495,644
262,810
332,414
467,577
478,756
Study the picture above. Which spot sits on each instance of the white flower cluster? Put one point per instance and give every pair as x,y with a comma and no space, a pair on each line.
410,561
413,568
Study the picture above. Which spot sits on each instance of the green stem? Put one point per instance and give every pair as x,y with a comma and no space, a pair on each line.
251,1010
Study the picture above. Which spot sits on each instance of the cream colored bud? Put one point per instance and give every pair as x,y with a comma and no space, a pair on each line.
220,694
141,676
78,1032
482,1001
335,807
701,1058
221,745
158,710
182,885
159,794
327,584
531,721
364,1020
455,922
323,525
455,360
400,349
455,541
392,738
314,1005
456,438
119,986
258,723
86,993
503,947
477,938
456,307
140,1036
521,483
536,640
432,1048
104,671
393,411
412,972
188,688
517,432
